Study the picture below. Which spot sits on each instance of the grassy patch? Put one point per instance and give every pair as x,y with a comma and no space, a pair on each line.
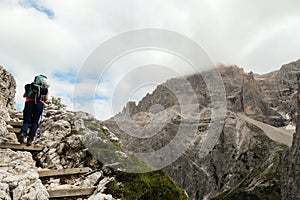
74,132
107,153
151,186
154,185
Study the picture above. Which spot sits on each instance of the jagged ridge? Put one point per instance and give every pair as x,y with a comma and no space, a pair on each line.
233,168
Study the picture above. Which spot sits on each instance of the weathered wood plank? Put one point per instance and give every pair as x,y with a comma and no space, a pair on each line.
71,192
16,115
63,172
14,130
21,147
15,112
15,124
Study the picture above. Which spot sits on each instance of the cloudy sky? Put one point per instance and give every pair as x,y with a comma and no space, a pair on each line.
56,37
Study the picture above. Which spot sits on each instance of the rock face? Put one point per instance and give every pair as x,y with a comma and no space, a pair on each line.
8,89
7,95
245,94
291,162
246,162
245,159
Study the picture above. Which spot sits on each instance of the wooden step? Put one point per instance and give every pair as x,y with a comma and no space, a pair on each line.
21,147
15,124
63,172
14,130
16,115
71,192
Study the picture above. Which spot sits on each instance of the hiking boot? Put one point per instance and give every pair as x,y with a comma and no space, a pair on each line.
29,141
20,137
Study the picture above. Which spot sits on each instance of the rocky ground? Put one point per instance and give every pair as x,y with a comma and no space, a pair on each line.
63,149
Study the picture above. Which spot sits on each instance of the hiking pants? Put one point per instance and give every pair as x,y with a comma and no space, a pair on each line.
31,115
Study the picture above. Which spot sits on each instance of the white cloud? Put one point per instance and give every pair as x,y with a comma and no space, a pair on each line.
269,33
259,36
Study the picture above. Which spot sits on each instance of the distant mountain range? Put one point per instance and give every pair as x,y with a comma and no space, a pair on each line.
246,163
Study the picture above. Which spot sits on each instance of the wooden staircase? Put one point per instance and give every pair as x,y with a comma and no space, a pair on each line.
46,173
67,192
16,127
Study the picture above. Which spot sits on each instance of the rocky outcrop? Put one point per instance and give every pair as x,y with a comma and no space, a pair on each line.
7,102
244,94
18,178
291,161
64,148
8,89
63,138
279,89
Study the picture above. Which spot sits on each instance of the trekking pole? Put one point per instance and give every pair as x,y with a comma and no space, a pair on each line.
41,126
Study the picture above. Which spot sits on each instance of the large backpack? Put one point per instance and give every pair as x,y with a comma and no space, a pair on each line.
38,89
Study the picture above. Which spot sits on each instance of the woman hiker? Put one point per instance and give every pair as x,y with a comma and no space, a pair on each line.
36,94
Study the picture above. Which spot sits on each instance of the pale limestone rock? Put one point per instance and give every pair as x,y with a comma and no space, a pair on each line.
20,189
4,187
4,195
101,196
20,175
101,186
79,125
92,179
5,136
7,88
37,191
31,175
4,191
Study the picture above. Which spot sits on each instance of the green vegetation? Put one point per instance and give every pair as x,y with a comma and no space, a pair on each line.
151,186
107,152
95,127
74,132
110,152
